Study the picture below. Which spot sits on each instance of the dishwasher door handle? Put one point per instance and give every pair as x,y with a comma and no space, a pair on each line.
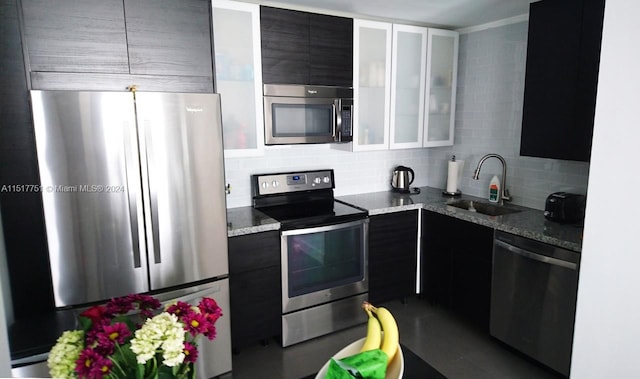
536,257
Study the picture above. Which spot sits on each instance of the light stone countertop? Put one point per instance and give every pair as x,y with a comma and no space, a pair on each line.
529,223
246,220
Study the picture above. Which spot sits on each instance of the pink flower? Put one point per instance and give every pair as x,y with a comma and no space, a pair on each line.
180,309
112,335
146,301
101,368
195,323
119,305
190,353
92,365
210,332
96,329
208,305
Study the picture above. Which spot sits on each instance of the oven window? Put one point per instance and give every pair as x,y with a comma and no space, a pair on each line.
325,260
295,120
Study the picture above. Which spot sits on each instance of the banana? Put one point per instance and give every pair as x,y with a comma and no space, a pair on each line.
390,334
374,332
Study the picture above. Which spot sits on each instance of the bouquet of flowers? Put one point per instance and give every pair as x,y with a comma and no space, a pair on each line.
129,338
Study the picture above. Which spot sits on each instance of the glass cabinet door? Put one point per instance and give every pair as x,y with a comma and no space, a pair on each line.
407,86
371,84
442,68
236,32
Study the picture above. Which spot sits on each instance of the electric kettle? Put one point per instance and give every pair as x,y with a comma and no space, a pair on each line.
402,178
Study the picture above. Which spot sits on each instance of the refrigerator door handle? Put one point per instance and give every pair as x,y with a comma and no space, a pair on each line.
132,167
153,194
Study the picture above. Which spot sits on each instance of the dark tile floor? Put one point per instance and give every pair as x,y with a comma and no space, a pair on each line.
445,342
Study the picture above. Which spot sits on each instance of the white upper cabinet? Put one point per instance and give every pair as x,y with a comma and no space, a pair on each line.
404,86
442,68
236,33
371,84
407,86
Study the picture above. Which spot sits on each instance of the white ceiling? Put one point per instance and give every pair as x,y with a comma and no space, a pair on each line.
450,14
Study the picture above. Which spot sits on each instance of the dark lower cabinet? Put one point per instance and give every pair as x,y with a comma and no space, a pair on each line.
457,266
393,241
563,55
255,288
306,48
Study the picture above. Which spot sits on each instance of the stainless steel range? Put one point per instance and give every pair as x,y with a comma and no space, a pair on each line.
323,252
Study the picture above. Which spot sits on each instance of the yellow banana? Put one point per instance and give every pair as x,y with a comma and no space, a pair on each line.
390,334
374,332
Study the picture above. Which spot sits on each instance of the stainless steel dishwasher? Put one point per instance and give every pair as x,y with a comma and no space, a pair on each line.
533,298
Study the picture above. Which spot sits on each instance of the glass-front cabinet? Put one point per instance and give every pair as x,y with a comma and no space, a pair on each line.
404,86
371,84
407,86
238,70
440,101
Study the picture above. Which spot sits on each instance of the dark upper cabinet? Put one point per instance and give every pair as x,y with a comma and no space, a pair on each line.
306,48
331,50
285,46
75,36
563,55
168,37
111,44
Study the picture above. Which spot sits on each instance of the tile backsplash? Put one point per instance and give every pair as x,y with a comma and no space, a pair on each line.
491,71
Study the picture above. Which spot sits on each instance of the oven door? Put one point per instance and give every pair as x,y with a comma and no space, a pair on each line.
323,264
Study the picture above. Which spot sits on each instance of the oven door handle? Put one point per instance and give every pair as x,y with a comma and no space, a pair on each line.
325,228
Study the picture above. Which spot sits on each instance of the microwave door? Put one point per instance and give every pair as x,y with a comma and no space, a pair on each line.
290,120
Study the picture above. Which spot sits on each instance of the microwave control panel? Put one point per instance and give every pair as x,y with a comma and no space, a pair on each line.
271,184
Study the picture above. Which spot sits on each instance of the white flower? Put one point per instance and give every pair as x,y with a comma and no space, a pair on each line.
63,356
164,332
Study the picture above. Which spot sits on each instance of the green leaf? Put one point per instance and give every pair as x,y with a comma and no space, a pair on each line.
140,372
165,372
85,323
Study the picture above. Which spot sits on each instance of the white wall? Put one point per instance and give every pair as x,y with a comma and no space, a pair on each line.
607,333
489,118
354,172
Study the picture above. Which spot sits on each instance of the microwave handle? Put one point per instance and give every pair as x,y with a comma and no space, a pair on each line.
337,118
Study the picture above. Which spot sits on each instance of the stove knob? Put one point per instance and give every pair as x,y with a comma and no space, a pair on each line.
317,180
326,179
275,183
265,185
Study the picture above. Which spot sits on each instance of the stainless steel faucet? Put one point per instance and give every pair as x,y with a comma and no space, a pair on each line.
504,196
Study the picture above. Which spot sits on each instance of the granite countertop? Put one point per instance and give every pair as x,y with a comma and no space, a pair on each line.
246,220
529,223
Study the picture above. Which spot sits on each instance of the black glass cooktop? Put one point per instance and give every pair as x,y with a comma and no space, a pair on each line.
313,213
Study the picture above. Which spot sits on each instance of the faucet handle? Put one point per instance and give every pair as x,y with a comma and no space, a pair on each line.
505,195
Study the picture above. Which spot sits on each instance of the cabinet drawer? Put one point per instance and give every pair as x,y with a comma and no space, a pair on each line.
256,307
254,251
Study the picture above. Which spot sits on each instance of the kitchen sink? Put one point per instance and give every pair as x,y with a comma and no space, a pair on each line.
482,207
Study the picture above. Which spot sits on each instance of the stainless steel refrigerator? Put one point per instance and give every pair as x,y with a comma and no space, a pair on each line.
134,201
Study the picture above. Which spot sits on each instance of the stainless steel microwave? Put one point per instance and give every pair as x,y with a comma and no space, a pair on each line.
295,114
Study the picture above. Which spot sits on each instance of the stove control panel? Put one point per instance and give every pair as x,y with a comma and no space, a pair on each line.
272,184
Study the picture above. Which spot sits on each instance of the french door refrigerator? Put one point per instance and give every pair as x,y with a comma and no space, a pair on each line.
134,201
